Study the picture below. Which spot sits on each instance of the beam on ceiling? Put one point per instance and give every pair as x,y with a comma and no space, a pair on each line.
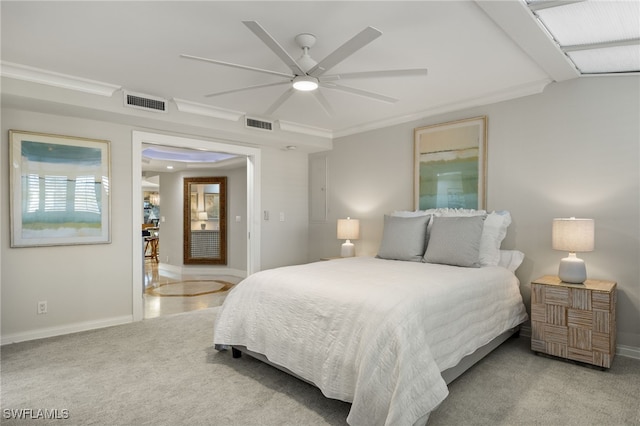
602,45
519,23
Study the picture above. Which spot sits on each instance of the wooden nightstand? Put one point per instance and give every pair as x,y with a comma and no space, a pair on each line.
574,321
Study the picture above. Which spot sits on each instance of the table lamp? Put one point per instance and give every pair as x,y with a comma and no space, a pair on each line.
348,229
572,235
203,217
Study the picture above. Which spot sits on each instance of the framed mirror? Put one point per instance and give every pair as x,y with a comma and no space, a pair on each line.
205,220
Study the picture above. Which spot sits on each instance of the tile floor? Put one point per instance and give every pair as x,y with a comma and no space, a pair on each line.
155,306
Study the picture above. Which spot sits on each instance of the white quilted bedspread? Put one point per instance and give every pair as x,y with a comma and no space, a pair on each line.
369,331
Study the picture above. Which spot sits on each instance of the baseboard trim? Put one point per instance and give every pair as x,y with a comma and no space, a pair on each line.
65,329
628,351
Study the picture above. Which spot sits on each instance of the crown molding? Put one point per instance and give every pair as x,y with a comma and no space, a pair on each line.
307,130
531,88
50,78
207,110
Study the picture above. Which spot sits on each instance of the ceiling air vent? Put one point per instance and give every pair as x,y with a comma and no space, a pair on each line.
148,103
259,124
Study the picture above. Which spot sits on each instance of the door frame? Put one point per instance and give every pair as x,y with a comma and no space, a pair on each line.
138,138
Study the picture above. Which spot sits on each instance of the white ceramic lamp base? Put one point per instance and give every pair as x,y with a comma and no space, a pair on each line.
347,249
572,270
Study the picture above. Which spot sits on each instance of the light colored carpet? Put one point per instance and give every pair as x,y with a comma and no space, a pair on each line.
164,371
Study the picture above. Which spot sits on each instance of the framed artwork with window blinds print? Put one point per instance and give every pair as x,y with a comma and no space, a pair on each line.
59,190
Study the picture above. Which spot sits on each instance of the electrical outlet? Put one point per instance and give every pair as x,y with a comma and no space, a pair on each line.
42,307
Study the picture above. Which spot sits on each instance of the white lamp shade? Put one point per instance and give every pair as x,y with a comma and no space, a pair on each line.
202,216
573,235
348,229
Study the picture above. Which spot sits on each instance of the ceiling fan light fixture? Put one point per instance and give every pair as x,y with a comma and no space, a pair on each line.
305,83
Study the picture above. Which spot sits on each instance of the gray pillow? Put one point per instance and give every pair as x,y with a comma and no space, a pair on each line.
403,238
455,241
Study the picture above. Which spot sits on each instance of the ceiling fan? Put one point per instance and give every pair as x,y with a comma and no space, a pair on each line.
307,74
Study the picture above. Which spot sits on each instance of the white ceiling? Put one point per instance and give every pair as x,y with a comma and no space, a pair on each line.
136,46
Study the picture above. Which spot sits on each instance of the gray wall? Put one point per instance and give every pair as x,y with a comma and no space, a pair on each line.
91,286
573,150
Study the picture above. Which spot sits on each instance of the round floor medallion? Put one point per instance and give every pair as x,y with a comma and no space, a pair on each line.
189,288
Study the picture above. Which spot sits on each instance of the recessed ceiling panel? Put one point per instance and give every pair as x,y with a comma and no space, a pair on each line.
607,60
598,36
592,21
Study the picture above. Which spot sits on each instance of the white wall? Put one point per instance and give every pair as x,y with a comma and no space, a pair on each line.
284,192
90,286
86,284
171,234
573,150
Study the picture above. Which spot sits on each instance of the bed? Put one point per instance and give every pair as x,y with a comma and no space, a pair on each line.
385,333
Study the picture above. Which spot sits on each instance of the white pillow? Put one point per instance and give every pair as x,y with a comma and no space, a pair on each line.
443,211
409,213
403,238
455,241
447,212
511,259
493,232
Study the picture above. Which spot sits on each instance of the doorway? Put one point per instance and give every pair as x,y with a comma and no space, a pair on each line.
252,156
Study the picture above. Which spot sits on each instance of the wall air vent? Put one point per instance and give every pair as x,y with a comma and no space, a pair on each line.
145,102
254,123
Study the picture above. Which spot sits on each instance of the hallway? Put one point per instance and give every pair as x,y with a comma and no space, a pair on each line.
167,293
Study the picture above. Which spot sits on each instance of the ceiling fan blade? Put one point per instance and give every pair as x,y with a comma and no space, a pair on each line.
278,103
323,102
274,46
242,67
361,92
375,74
258,86
360,40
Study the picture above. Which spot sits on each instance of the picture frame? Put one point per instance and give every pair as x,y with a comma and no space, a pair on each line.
193,197
212,205
60,192
450,161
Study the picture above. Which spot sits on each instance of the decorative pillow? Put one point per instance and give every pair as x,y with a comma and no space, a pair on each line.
493,232
455,241
403,238
511,259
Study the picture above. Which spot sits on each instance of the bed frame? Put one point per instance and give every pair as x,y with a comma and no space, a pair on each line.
449,375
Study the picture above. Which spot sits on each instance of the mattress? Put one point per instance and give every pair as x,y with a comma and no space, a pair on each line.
372,332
